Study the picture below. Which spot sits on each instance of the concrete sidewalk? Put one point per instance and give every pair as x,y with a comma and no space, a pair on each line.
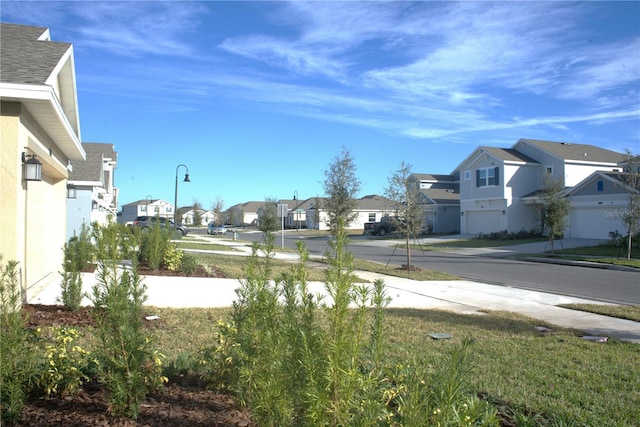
459,296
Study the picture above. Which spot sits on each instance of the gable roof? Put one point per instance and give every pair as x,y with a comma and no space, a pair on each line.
616,178
442,196
28,54
92,168
508,154
577,152
40,75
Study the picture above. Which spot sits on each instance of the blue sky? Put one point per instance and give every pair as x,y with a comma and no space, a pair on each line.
257,98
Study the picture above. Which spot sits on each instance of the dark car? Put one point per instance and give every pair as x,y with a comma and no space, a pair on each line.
147,221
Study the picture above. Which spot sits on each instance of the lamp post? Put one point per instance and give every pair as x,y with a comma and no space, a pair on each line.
295,197
175,206
147,199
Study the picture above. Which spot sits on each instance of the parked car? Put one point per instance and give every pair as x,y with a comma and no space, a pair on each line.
216,229
145,222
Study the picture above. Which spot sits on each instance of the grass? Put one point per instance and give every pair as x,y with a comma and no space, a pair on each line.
557,374
204,246
629,312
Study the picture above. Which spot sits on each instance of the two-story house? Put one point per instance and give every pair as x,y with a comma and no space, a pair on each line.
440,200
145,207
40,128
91,192
498,185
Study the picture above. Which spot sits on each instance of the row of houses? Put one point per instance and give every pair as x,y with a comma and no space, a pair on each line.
493,189
51,182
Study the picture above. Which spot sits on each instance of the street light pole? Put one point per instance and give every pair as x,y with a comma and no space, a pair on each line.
146,209
295,197
175,206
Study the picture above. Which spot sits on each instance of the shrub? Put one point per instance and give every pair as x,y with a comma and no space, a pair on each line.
18,365
65,363
155,241
129,365
78,253
172,258
296,360
189,264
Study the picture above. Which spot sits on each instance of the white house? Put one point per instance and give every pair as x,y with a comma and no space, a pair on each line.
369,209
91,193
187,216
145,207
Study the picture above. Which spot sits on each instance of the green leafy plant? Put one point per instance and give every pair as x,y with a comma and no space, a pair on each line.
78,254
130,365
154,243
172,257
189,264
18,364
65,363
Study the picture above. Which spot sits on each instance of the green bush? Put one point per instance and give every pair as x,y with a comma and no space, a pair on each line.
18,360
154,243
65,363
172,257
78,254
129,364
296,360
189,264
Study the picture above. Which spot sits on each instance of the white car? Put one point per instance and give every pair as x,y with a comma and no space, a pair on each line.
216,229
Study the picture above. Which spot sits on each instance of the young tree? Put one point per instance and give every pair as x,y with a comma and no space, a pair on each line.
406,196
197,212
555,208
341,187
217,208
269,221
631,179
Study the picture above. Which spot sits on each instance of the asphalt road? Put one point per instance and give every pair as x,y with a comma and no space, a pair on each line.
620,287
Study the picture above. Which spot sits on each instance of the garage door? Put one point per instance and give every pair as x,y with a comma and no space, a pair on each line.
595,223
483,221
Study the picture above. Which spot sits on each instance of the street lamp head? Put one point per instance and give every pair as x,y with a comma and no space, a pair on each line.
186,178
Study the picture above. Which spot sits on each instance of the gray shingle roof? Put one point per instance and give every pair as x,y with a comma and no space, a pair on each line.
508,154
91,169
581,152
26,59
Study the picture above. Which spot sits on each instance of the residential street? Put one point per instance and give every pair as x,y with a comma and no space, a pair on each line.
489,265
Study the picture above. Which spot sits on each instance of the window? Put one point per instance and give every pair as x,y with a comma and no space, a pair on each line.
549,170
372,217
600,184
488,177
467,175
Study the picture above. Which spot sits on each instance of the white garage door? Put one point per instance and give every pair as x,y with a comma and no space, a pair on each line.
595,223
483,221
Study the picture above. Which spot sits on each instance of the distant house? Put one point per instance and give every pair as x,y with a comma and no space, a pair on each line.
440,200
498,185
148,207
91,193
187,216
39,125
243,214
369,209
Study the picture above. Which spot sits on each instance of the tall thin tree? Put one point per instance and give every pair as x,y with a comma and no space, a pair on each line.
555,208
631,180
405,194
341,186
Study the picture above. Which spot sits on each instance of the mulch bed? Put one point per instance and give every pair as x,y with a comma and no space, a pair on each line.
184,401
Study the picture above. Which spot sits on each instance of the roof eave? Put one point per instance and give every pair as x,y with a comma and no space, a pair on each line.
43,104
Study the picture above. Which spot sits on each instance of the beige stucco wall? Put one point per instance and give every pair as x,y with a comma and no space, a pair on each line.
32,214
